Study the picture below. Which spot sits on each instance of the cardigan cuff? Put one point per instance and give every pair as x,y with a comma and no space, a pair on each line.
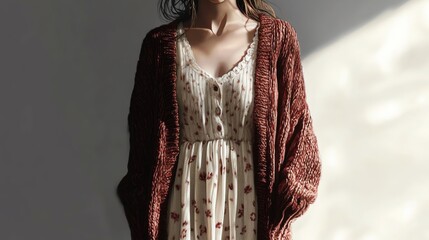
291,201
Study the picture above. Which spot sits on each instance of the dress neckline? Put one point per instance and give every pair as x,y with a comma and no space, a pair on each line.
231,72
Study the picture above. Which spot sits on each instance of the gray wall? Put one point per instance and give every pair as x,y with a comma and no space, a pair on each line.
66,78
320,22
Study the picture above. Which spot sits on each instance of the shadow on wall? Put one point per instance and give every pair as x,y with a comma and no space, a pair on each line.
321,22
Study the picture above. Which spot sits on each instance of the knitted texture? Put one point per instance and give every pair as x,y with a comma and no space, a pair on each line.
286,156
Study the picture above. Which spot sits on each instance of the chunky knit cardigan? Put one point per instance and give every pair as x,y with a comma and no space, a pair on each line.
286,160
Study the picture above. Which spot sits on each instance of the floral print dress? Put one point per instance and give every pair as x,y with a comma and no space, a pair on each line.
214,196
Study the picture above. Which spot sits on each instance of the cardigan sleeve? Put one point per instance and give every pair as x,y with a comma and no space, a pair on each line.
298,179
134,189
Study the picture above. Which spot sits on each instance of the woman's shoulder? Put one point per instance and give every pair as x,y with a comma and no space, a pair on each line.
157,35
286,27
160,30
287,34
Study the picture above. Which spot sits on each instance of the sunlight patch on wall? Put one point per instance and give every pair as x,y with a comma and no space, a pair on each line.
368,93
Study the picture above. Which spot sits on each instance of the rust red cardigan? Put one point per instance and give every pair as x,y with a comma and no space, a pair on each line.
286,160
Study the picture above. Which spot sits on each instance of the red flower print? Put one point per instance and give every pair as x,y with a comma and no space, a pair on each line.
218,225
226,228
193,202
208,213
222,169
182,205
254,203
203,229
243,230
184,223
210,175
247,189
241,211
192,158
248,167
179,172
178,186
183,233
203,176
230,186
253,216
174,216
232,148
188,87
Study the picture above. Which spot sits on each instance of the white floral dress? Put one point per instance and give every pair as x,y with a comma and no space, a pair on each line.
214,196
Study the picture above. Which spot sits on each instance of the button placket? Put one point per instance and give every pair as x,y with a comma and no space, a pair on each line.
217,90
217,111
217,108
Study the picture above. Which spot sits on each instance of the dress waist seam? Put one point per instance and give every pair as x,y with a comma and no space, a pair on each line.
217,139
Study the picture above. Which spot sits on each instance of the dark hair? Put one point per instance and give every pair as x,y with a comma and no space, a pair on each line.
186,9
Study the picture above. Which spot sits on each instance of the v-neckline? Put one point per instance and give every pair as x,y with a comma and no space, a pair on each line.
232,71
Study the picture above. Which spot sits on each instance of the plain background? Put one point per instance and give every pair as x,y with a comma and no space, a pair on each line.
66,79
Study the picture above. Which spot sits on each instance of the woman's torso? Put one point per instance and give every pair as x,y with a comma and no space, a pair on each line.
213,195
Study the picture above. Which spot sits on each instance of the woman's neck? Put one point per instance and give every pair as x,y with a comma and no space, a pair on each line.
215,15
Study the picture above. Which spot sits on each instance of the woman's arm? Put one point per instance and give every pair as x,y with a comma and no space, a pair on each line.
297,182
135,187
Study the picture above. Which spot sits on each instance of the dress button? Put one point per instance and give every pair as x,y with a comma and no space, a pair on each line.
219,127
217,110
215,87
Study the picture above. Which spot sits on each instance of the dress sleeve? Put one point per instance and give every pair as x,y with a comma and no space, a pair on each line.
134,189
297,181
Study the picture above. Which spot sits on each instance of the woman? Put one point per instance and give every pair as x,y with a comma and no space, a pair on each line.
221,143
